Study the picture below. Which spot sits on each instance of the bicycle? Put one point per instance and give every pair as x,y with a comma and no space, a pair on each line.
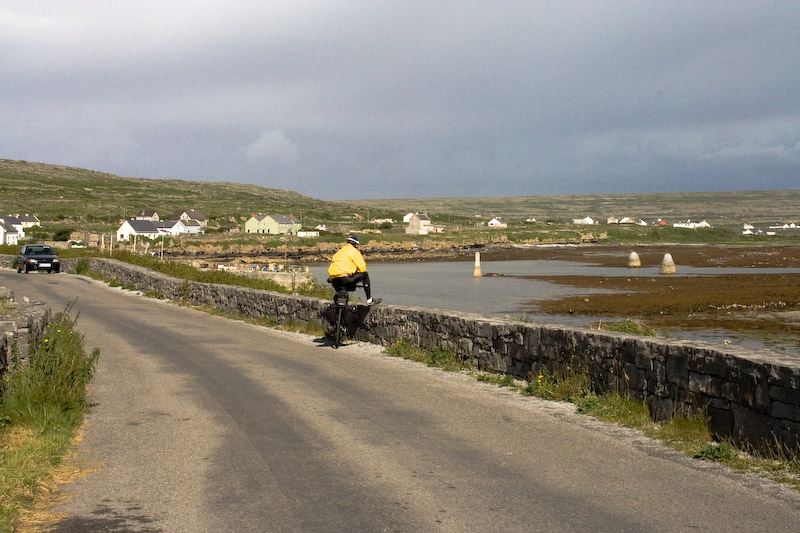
341,303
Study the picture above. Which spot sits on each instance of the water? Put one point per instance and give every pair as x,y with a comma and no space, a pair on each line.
452,286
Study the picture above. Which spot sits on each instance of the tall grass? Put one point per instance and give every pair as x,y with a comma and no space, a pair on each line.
437,357
42,405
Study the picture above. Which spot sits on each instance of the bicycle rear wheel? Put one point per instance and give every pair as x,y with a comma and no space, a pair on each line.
338,331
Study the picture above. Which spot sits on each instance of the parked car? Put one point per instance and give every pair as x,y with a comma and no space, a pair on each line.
37,257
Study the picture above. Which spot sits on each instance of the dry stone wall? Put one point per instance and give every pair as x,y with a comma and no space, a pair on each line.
26,322
749,396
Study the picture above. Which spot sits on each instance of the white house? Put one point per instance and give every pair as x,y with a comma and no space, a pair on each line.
170,227
28,221
691,225
141,228
497,222
583,221
192,226
784,226
8,234
191,214
419,225
14,222
147,214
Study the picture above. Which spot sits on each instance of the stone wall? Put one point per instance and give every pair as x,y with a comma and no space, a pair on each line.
749,396
25,323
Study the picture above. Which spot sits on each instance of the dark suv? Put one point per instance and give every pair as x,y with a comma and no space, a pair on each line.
37,257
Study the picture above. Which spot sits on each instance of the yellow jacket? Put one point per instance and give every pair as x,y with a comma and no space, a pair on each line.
346,261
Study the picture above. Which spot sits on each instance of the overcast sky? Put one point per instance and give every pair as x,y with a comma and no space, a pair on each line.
371,99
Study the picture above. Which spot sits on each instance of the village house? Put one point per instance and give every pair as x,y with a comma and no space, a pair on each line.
191,214
28,221
253,224
583,221
140,228
497,223
419,225
790,225
691,225
179,227
273,224
170,227
147,214
8,233
14,222
626,220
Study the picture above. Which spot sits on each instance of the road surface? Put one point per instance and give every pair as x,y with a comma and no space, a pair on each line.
200,423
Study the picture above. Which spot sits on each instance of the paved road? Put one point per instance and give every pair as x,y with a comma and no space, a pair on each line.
204,424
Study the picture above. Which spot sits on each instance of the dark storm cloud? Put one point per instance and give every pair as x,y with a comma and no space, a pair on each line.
398,99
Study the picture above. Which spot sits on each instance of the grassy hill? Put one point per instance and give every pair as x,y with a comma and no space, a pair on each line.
73,195
96,200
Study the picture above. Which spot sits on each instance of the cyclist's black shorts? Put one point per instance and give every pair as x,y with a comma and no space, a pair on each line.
349,282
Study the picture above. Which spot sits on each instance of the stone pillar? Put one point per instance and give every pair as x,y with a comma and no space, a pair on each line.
477,271
667,265
634,261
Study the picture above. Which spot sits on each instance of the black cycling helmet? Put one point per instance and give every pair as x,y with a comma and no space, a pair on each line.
352,239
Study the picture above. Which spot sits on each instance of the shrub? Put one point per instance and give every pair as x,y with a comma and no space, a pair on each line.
51,388
82,266
633,327
63,234
714,451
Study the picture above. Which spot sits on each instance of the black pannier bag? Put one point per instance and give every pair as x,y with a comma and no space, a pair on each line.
353,317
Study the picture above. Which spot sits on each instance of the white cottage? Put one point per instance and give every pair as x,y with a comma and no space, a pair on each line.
419,225
8,234
141,228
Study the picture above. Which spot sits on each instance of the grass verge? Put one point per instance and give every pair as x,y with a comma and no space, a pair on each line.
688,434
41,408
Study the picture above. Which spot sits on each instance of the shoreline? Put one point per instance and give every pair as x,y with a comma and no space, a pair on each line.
698,255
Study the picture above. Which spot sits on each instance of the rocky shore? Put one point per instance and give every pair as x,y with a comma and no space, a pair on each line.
440,250
763,306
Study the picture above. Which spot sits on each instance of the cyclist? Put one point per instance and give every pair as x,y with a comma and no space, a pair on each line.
348,268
